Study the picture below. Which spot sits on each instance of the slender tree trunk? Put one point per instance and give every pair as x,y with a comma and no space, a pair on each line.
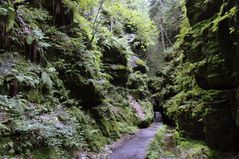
162,37
95,24
14,88
161,27
111,24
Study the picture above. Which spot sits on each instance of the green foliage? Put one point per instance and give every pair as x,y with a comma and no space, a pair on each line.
168,14
3,11
138,81
7,9
86,126
222,16
35,17
45,115
47,153
189,96
192,148
177,146
51,131
156,146
46,80
168,17
184,26
137,22
147,108
3,128
13,105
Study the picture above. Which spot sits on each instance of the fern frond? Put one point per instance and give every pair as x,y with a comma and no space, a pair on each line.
46,79
10,18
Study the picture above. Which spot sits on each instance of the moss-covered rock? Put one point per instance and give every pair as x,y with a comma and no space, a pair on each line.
137,64
119,74
64,79
207,111
200,10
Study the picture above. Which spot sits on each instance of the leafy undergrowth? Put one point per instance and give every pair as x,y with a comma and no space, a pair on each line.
66,70
169,144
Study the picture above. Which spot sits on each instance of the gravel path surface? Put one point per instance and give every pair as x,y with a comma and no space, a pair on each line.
136,147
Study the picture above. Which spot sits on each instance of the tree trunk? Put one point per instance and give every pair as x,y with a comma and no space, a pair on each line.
95,24
162,38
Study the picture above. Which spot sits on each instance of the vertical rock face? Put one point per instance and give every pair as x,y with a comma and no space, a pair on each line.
212,46
214,41
199,10
220,123
57,94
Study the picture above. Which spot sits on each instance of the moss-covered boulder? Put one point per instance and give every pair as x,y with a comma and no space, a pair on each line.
143,111
137,64
115,51
119,74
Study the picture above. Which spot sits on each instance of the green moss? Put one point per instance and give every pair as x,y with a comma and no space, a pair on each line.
179,147
5,145
56,72
109,129
47,153
193,148
94,138
199,109
116,121
118,67
148,112
35,96
140,62
210,94
155,149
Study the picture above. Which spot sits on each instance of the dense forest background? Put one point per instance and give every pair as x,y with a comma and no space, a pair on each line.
76,75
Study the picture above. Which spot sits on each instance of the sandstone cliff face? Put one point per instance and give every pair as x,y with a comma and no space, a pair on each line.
211,46
199,83
214,36
58,94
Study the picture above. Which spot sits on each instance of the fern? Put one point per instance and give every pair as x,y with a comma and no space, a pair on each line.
46,79
220,17
3,11
10,18
3,127
28,80
7,10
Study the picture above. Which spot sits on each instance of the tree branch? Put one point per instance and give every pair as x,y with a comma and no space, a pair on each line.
95,24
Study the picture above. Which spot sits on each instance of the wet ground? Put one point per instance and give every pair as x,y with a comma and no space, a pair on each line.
136,147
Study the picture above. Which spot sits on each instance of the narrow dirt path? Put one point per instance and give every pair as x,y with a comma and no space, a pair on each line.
136,147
